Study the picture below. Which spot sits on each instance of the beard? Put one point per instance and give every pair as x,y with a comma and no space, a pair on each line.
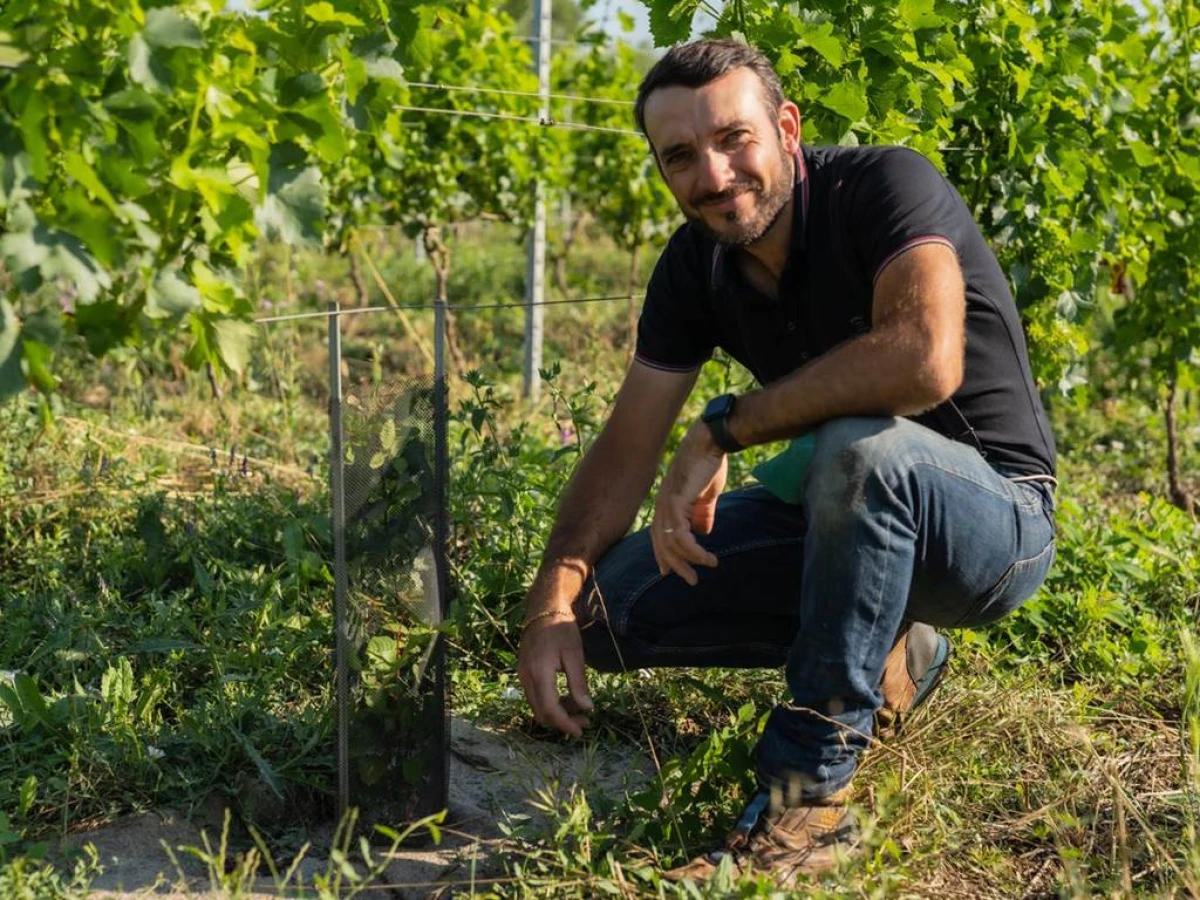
742,231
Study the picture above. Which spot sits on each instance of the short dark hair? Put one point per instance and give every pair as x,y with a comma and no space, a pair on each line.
696,64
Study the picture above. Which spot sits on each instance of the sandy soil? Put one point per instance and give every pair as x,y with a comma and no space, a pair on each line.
495,778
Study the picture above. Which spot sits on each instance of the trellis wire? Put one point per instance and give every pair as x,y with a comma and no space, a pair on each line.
473,89
554,123
452,307
568,42
581,126
548,123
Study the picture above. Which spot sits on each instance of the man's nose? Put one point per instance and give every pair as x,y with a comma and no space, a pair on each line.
715,173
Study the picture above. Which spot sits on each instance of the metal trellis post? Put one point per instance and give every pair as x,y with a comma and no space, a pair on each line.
535,274
441,537
337,490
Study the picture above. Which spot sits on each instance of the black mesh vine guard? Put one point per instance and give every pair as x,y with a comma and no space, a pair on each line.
389,498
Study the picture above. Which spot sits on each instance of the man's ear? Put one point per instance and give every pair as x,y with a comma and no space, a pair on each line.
789,126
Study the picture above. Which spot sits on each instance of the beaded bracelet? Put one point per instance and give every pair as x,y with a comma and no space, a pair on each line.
550,613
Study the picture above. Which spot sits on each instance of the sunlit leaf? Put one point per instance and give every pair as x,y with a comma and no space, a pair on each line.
846,98
167,27
294,205
324,12
234,340
670,22
169,295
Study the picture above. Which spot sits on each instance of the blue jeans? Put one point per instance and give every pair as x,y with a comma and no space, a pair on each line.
898,523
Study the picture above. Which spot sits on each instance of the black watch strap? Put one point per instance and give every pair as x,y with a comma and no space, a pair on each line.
716,417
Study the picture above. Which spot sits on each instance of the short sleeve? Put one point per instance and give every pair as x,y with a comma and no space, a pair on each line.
675,331
898,201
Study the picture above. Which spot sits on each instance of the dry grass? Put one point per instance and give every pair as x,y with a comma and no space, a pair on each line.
1029,792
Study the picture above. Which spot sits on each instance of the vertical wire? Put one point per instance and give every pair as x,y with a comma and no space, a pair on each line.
441,538
337,490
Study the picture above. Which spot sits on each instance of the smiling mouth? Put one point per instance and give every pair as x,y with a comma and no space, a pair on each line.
725,197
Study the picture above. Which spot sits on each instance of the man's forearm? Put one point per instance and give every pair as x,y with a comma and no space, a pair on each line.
878,373
597,509
909,362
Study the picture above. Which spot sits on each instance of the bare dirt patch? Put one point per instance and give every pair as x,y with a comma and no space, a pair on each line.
496,780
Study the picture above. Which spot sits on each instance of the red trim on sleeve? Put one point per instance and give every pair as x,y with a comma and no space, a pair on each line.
666,367
908,245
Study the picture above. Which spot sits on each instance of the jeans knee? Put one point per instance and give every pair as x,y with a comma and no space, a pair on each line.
850,454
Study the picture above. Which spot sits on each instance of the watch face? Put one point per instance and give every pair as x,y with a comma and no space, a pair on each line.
718,407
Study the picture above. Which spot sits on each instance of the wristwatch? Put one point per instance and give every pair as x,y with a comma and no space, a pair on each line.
716,416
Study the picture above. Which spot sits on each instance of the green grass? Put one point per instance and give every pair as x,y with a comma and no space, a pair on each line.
166,606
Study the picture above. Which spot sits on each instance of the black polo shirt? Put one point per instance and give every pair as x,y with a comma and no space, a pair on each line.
855,210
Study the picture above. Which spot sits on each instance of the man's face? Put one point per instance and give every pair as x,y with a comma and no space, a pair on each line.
725,158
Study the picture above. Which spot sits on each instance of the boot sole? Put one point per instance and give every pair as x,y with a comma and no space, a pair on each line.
935,673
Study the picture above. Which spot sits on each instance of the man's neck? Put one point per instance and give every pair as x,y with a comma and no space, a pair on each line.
767,256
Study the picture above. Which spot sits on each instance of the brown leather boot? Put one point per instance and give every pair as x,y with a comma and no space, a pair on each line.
914,667
783,842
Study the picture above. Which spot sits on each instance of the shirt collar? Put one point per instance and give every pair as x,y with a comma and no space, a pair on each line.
722,264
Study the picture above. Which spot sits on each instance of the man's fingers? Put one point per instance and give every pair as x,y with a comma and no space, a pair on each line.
668,559
572,662
686,549
658,556
704,516
546,707
684,571
676,550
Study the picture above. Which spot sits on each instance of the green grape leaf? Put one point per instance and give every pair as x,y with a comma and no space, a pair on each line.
294,206
167,27
822,39
145,69
16,181
918,14
671,20
132,104
233,340
169,295
11,379
44,254
78,168
1143,154
384,67
324,12
846,98
11,56
29,119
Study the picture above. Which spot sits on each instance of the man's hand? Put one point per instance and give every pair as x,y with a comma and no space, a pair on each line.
550,646
687,502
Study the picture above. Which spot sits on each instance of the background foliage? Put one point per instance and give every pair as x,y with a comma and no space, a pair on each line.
168,173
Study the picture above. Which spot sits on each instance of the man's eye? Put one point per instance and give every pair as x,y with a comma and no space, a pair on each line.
675,159
736,136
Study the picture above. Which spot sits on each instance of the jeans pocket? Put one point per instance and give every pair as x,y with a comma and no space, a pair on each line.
1019,582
